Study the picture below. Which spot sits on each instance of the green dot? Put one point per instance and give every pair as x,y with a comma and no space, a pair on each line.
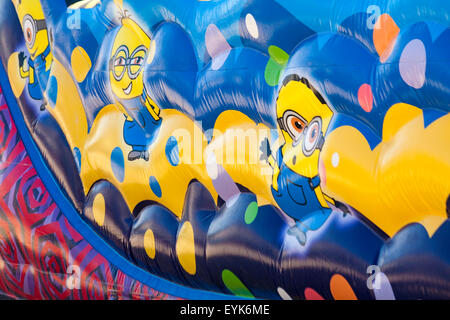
272,72
251,212
235,285
279,55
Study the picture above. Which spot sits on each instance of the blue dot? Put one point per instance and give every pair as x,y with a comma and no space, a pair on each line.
118,164
154,185
172,152
52,91
77,155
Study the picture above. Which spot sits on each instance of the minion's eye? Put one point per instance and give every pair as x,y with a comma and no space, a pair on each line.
29,32
137,61
295,125
312,136
120,62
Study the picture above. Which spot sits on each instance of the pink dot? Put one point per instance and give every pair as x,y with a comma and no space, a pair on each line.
311,294
322,173
365,97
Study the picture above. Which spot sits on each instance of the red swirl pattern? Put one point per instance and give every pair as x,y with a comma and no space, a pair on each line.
41,255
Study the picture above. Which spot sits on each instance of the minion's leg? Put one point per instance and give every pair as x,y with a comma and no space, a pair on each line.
312,223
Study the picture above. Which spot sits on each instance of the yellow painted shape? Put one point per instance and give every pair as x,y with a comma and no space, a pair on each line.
405,179
17,82
236,142
185,248
69,110
107,133
81,63
149,244
98,209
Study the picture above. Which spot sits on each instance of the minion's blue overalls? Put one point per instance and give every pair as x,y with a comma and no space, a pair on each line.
41,75
297,198
142,130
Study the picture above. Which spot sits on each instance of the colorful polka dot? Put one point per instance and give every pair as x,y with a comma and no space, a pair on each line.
283,294
172,151
335,159
275,65
311,294
384,34
52,91
98,210
251,212
278,54
185,248
215,41
149,244
118,164
341,289
322,173
252,26
413,63
235,285
365,97
156,188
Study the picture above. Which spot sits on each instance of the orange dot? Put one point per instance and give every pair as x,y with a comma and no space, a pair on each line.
341,289
311,294
384,35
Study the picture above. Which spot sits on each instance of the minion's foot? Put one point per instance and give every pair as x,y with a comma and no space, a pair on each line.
145,155
42,108
299,234
134,155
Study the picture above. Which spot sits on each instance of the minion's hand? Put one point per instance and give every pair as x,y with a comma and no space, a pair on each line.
22,58
266,152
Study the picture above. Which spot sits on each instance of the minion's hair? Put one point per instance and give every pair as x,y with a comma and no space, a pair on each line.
124,14
296,77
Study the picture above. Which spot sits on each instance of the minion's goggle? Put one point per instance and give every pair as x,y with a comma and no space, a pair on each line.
30,29
297,128
132,64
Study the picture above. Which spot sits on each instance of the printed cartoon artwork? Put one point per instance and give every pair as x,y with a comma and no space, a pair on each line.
128,58
37,66
303,118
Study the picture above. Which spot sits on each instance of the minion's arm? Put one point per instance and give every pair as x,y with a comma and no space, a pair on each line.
26,74
152,108
31,75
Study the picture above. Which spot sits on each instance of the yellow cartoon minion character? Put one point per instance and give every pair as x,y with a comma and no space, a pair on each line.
128,57
34,27
303,118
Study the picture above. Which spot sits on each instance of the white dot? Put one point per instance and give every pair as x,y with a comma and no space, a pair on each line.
283,294
151,52
251,25
211,166
335,159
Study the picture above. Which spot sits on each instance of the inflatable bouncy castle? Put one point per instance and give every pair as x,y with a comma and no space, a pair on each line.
222,149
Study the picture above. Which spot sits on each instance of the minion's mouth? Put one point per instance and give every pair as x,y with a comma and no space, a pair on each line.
127,90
